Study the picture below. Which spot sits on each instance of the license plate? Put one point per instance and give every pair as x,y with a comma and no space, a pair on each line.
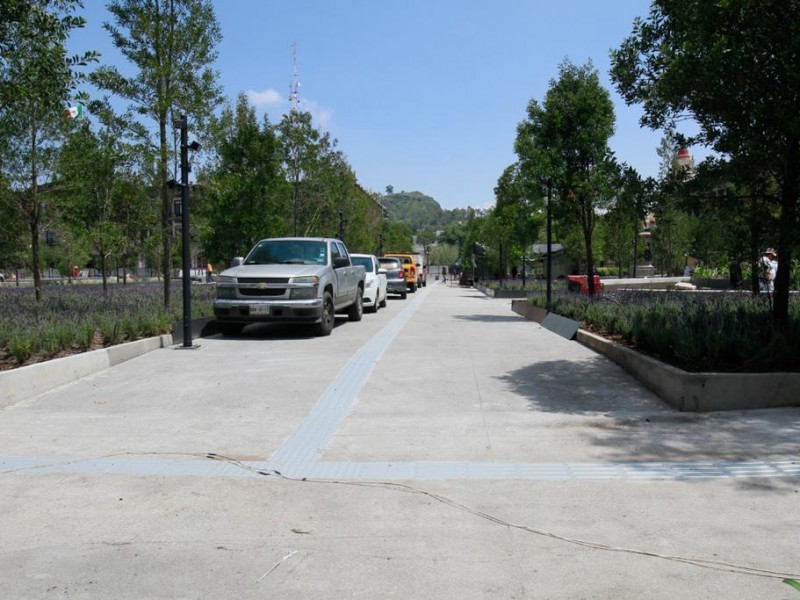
259,310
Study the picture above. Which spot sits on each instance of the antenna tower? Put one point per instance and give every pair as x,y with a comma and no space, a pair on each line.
294,85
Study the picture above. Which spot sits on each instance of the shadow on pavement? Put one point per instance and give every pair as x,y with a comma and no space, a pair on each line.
630,423
279,331
592,387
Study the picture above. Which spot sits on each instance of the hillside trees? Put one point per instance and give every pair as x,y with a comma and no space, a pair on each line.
563,143
171,44
732,67
36,77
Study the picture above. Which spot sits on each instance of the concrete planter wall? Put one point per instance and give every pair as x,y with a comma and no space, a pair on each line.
504,293
687,391
711,284
31,380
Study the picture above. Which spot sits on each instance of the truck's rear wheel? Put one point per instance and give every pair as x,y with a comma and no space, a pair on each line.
325,325
356,310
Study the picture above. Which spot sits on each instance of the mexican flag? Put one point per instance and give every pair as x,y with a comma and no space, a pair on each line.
74,112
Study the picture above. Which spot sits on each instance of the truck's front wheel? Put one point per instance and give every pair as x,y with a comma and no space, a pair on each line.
325,325
356,310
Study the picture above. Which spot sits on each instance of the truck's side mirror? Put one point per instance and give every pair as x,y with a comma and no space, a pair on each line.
237,260
341,261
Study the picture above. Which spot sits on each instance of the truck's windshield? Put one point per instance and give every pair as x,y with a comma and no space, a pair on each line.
288,252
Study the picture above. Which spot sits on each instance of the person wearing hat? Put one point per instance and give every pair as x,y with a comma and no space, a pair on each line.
769,269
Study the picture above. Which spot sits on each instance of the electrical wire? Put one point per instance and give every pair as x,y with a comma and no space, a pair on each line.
707,563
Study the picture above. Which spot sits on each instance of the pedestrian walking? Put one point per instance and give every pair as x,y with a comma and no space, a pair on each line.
209,271
768,269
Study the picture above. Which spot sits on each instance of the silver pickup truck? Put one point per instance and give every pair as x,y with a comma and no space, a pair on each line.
290,280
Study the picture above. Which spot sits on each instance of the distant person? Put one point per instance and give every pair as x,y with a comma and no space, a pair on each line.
735,274
444,275
209,271
768,269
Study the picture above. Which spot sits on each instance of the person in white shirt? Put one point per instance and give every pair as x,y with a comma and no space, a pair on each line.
769,269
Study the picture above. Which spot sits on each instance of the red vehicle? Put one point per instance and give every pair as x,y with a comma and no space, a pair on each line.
580,283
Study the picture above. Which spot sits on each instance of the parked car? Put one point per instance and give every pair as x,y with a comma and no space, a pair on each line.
409,267
375,289
290,280
422,270
395,275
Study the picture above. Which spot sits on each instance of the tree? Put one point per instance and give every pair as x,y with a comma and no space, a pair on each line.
732,67
622,224
172,43
244,195
36,76
564,142
304,149
101,187
397,237
518,209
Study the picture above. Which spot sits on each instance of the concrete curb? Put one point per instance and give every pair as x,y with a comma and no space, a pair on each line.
698,392
31,380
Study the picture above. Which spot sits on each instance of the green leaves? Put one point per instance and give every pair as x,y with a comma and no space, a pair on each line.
792,583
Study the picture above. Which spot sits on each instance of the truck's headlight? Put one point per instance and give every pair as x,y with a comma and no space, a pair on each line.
309,289
303,293
226,291
226,279
309,279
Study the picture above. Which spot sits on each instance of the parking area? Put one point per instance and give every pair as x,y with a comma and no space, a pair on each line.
443,447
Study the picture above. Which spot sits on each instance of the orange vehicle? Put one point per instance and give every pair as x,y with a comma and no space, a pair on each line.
409,268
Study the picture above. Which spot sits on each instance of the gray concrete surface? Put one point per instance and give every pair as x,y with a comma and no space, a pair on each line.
444,447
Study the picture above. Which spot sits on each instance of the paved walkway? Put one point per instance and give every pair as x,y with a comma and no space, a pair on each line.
442,448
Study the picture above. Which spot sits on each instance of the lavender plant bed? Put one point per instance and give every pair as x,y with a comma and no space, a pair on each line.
73,319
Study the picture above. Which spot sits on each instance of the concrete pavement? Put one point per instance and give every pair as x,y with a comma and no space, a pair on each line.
442,448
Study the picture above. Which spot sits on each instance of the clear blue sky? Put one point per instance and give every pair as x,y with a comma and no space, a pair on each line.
423,95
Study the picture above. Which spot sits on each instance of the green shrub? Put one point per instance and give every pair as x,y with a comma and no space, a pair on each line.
729,332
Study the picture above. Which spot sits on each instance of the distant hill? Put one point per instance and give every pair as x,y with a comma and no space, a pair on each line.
419,211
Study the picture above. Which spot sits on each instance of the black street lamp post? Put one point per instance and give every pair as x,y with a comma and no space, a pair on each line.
549,250
186,258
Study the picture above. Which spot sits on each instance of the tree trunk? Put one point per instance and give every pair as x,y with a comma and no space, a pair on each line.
166,233
36,259
786,235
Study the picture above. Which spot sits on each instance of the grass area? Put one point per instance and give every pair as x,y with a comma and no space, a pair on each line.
76,318
701,332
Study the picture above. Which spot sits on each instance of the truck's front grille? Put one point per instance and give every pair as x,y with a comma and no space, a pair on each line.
262,292
262,279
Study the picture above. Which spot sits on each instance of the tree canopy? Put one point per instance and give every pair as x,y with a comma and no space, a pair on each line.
732,67
563,144
172,45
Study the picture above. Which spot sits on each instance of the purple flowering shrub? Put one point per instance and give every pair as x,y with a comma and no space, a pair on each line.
77,318
696,331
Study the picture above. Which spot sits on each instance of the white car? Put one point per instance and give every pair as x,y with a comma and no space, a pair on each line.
375,282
